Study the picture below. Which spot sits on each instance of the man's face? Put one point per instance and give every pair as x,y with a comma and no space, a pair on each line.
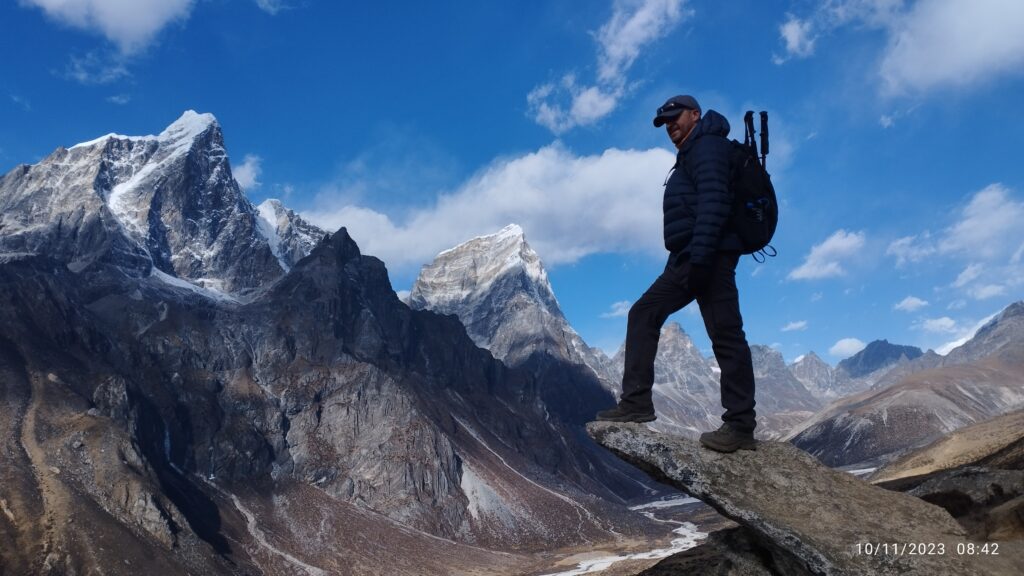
680,128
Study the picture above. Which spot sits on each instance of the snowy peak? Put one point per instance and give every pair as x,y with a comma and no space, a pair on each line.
497,286
289,236
169,201
188,127
473,267
182,132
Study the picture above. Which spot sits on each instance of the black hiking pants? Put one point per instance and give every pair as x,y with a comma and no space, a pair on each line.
720,308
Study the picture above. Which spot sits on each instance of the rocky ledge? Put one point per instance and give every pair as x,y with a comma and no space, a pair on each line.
798,516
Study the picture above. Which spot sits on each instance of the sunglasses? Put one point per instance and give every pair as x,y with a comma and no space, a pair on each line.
671,108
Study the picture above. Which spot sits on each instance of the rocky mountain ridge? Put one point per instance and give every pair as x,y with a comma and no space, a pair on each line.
207,404
930,397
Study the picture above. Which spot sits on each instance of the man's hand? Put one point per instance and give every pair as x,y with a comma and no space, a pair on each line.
699,278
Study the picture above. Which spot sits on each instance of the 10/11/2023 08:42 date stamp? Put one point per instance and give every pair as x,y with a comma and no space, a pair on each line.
926,549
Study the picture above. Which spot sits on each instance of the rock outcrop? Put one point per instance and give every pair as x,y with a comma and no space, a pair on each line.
805,518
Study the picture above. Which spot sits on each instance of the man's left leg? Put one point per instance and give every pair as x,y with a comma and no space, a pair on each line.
720,308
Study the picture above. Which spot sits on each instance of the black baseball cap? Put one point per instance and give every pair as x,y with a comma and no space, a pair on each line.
673,107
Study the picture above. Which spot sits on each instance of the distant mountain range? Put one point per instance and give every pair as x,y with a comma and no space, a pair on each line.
932,396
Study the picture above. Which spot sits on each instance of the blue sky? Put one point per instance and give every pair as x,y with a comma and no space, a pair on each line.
897,132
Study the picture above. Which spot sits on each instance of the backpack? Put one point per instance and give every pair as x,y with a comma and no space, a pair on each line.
755,210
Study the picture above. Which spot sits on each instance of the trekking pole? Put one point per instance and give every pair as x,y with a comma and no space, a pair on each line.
764,139
748,125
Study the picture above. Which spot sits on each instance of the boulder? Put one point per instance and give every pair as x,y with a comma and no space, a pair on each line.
827,521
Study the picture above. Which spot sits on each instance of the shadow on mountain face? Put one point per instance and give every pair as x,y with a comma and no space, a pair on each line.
199,510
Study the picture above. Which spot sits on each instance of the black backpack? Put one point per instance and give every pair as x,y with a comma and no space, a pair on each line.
755,210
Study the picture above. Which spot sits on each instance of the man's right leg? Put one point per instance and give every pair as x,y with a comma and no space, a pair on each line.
666,295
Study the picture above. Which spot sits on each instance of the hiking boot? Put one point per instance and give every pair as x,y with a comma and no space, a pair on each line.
728,439
620,414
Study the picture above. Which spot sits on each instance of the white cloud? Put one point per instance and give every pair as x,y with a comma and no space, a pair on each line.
22,102
991,218
248,173
633,25
949,43
930,44
963,336
130,24
569,206
944,325
887,121
618,310
272,7
969,274
119,99
911,249
846,347
94,68
798,325
910,304
800,34
798,37
1018,255
986,233
987,291
824,260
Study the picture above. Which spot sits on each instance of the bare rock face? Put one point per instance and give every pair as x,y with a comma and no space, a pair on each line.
804,514
815,374
289,236
686,394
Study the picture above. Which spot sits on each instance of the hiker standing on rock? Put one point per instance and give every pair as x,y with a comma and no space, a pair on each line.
703,253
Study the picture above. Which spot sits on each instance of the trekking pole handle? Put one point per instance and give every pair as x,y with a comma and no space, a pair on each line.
764,136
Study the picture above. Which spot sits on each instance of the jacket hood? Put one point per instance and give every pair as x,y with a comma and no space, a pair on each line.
712,123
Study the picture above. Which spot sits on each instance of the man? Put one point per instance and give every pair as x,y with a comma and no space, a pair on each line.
703,253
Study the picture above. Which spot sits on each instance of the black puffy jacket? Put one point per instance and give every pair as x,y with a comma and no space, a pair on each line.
698,203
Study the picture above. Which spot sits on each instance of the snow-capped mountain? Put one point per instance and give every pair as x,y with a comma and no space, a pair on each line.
167,202
497,286
289,236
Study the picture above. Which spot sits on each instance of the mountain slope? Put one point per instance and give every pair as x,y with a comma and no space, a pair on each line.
879,424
